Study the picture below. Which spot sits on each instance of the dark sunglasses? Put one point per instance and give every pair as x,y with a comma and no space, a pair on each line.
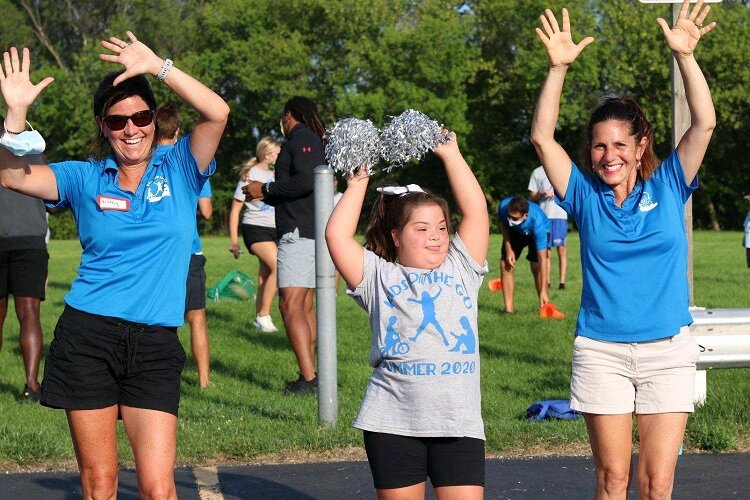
139,119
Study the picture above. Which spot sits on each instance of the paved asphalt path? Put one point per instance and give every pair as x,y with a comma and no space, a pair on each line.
699,477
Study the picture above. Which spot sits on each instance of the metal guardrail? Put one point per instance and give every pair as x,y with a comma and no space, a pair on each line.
724,335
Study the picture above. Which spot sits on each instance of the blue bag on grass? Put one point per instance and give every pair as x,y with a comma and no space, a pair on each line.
551,408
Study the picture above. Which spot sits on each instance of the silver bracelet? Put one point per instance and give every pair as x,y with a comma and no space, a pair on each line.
164,71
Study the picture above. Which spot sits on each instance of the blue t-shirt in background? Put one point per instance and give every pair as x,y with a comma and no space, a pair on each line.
136,246
535,225
633,257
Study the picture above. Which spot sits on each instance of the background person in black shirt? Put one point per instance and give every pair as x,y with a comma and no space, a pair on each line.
291,193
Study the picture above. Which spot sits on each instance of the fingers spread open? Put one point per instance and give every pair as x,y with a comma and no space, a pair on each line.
26,60
553,20
566,20
546,25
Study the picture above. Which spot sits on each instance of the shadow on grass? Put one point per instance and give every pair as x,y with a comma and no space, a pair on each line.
244,375
11,389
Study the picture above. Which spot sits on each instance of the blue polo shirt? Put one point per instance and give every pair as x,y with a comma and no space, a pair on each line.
634,257
197,247
136,246
536,224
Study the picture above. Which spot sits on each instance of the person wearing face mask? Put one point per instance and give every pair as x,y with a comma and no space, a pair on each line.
633,352
291,194
115,352
523,224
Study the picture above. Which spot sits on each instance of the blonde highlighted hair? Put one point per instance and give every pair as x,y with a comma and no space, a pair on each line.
264,147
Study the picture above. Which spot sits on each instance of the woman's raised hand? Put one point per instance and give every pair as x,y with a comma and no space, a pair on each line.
135,56
17,89
684,35
560,47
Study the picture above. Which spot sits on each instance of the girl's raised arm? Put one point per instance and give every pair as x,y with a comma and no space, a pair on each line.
346,252
474,228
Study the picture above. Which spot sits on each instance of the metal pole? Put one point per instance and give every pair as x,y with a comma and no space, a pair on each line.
325,284
680,124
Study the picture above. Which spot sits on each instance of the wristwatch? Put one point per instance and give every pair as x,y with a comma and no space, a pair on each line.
265,187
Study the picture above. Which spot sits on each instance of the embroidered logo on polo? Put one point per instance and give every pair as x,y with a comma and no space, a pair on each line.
157,189
306,149
647,203
397,342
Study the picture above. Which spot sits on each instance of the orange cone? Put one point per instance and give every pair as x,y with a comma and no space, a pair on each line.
549,311
495,285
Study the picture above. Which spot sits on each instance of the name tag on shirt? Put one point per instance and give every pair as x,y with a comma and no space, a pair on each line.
118,204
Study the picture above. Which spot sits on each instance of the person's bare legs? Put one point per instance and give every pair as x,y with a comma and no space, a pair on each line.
660,435
509,285
413,492
153,437
266,252
312,319
536,271
292,303
94,434
466,492
562,254
549,266
611,445
200,345
30,337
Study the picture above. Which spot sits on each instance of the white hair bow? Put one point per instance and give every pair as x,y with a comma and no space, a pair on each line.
401,190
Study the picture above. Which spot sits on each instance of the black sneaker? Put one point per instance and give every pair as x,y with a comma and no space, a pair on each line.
30,396
302,386
561,287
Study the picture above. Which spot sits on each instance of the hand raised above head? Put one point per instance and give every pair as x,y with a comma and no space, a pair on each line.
683,37
447,148
561,49
134,55
16,86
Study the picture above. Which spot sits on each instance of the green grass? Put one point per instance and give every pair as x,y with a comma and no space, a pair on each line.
245,416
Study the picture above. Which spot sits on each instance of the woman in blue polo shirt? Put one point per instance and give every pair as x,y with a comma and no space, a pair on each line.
115,350
633,352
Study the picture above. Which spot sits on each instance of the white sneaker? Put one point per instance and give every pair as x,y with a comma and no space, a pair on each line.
264,324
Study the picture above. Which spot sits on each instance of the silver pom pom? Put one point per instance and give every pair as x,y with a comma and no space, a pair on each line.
408,137
352,143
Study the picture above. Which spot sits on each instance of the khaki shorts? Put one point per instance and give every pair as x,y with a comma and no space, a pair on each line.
295,261
611,378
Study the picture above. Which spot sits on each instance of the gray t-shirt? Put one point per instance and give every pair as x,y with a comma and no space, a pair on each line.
425,350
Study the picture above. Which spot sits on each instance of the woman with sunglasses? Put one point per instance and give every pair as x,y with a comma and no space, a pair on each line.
115,352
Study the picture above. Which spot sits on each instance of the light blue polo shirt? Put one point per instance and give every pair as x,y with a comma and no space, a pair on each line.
536,224
136,246
634,257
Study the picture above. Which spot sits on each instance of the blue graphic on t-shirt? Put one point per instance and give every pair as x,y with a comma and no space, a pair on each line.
428,312
393,343
467,339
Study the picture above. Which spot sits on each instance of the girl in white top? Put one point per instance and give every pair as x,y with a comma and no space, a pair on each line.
258,229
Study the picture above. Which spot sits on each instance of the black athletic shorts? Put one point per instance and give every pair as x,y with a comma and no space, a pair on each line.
98,361
400,461
518,242
23,273
195,296
256,234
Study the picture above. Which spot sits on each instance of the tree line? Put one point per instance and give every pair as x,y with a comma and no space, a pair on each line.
475,66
